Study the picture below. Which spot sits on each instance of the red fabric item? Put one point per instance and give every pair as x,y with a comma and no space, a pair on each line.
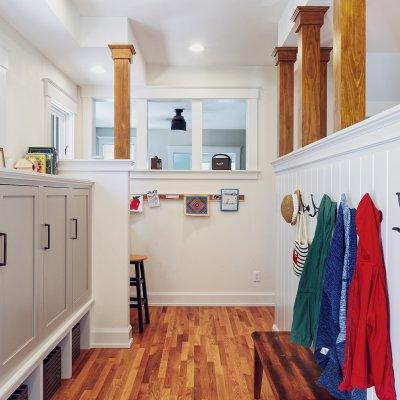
368,353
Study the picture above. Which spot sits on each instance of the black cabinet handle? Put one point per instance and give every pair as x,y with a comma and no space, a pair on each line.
76,228
48,237
4,262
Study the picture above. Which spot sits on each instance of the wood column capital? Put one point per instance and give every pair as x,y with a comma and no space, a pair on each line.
326,54
122,51
285,54
309,15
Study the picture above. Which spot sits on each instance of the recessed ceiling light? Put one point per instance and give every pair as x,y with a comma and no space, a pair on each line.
196,48
98,69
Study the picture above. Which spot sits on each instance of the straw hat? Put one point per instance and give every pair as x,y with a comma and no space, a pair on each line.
290,207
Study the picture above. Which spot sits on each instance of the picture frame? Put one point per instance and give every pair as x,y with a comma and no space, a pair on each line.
229,201
196,205
2,158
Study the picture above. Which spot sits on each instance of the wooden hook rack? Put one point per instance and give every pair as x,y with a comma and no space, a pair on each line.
211,197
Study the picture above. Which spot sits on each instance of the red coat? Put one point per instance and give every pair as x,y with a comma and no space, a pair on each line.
368,354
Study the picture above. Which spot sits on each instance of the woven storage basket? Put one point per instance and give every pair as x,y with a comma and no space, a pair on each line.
20,394
76,341
51,373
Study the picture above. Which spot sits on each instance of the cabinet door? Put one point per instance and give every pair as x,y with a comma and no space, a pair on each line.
81,274
56,299
19,278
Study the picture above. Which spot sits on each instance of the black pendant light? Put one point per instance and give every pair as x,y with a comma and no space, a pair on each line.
178,122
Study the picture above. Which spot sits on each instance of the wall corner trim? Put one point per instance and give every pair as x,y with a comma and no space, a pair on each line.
118,338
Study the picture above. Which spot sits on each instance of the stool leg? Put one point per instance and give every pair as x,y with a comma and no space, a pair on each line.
139,297
258,375
146,304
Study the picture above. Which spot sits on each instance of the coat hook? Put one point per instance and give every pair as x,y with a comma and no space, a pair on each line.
303,207
315,207
395,228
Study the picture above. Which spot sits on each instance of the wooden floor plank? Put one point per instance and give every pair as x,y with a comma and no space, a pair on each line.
186,353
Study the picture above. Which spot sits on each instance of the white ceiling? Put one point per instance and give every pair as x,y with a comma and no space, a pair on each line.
234,32
217,114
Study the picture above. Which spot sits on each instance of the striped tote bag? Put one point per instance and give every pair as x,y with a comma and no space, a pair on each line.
300,250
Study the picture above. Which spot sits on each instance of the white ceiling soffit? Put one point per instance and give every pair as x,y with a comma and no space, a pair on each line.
383,28
73,43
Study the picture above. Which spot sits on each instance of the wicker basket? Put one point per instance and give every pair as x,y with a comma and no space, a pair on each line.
76,342
51,373
20,394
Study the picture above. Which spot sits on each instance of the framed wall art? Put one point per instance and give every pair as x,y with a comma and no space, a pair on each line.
196,205
229,200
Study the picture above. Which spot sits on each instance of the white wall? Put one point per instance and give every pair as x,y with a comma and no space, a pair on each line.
360,159
25,92
211,260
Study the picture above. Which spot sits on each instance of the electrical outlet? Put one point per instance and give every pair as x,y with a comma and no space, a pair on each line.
256,276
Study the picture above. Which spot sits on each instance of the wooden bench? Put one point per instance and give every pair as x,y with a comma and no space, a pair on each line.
291,370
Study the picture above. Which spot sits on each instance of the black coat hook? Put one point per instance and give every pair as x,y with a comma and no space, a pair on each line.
314,206
303,207
395,228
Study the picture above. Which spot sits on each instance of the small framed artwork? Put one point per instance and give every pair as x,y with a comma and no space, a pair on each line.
136,203
229,200
2,159
196,205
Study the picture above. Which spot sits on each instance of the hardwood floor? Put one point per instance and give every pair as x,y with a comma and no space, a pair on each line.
199,353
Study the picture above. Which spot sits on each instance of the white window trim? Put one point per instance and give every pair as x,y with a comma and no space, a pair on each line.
56,96
140,98
3,94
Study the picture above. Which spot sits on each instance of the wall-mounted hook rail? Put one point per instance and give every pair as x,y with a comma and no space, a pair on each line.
314,206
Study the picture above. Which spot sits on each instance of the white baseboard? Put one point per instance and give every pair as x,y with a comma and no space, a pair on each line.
107,338
275,328
212,298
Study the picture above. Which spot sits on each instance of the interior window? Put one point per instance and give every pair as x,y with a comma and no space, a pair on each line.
224,131
104,120
170,133
62,131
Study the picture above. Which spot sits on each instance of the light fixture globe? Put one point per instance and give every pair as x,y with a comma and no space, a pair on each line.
178,122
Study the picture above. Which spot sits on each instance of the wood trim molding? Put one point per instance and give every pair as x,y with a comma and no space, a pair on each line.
282,54
122,51
309,15
325,57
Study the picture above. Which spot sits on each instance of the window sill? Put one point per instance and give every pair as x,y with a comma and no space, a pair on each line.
195,175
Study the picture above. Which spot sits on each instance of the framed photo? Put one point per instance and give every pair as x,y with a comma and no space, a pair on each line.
196,205
2,159
40,161
229,200
136,203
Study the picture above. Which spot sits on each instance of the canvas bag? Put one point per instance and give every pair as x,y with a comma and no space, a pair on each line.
300,250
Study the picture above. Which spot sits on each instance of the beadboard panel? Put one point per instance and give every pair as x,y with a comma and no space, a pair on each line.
372,168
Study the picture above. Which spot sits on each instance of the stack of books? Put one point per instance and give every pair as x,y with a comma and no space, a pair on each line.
45,159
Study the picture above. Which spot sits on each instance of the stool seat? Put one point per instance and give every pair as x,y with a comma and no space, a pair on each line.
137,258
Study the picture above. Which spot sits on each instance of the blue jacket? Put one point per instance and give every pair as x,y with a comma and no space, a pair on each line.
329,350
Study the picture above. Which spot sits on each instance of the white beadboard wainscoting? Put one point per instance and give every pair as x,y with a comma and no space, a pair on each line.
362,158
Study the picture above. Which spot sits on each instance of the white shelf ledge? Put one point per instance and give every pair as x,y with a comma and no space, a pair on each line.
194,175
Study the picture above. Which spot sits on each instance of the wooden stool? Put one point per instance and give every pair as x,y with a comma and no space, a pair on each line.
139,282
291,370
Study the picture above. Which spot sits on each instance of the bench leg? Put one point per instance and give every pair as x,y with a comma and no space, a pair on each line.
258,375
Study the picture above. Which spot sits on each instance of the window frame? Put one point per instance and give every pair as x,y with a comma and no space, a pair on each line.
140,99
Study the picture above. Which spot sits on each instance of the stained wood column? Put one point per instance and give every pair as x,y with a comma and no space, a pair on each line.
308,21
349,55
285,58
325,57
122,56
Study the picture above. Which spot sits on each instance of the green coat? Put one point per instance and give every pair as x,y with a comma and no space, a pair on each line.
309,293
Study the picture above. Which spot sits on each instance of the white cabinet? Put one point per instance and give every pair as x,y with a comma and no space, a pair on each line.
19,278
80,246
45,271
56,298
